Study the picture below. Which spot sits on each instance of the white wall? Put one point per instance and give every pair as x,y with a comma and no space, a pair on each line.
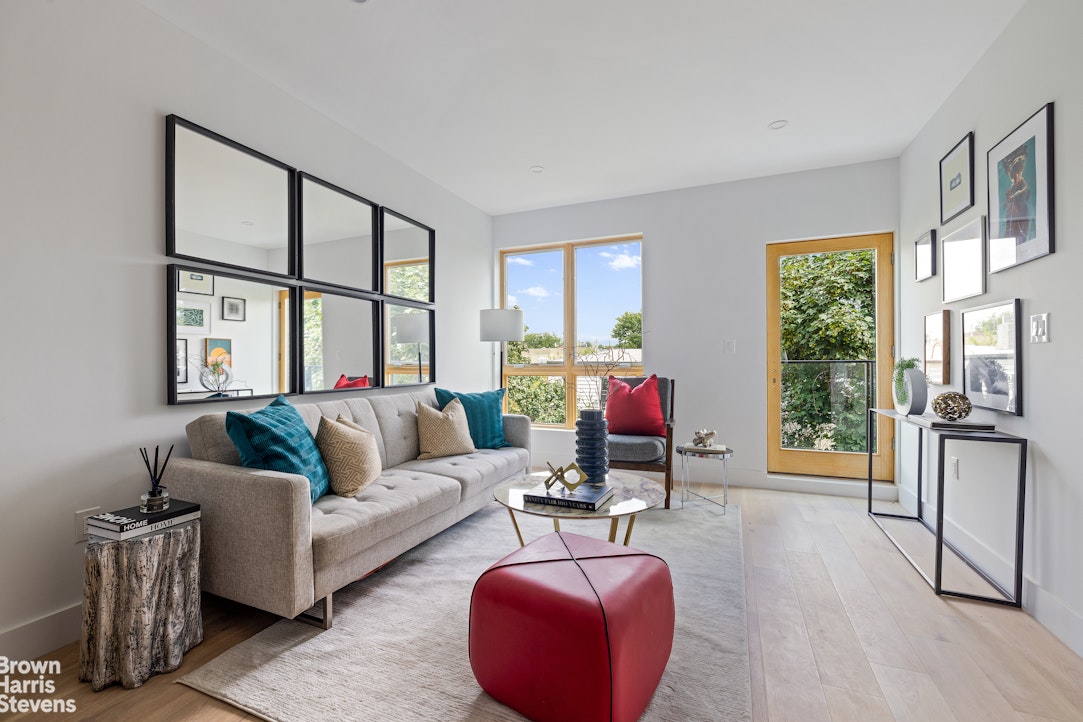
704,258
1035,61
86,88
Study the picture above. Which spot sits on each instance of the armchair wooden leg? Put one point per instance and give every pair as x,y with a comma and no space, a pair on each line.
669,485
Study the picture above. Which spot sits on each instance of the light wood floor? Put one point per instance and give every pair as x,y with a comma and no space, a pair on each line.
840,628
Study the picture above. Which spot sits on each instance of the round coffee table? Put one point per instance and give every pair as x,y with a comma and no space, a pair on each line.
631,495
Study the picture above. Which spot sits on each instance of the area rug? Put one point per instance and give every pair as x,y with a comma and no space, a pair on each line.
398,649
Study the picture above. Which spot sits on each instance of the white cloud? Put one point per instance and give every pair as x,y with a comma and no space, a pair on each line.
535,291
621,261
511,302
519,261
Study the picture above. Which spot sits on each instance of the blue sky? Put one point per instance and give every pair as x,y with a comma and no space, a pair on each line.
608,279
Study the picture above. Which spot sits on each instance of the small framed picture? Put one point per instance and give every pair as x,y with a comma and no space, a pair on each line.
195,282
193,317
925,256
182,360
938,348
957,179
232,309
991,362
964,261
219,351
1020,181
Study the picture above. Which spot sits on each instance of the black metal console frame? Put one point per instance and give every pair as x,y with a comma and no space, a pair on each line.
1011,599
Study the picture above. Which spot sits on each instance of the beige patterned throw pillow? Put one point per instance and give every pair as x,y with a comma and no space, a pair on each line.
350,453
443,433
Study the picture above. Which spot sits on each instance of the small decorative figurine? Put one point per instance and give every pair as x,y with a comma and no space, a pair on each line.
703,437
558,474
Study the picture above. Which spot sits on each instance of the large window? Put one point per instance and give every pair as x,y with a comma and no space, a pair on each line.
583,308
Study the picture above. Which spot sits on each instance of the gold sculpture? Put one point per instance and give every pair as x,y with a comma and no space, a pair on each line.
559,474
703,437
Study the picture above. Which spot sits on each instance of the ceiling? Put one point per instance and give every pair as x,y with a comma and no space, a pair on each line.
610,97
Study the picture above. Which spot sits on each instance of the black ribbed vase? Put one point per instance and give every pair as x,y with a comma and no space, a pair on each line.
592,445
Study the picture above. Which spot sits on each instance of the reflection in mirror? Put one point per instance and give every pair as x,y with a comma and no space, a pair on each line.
338,342
228,332
230,204
336,235
409,347
408,250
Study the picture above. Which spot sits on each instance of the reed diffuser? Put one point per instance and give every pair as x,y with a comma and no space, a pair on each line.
157,499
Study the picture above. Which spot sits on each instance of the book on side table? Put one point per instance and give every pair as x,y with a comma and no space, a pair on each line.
585,496
130,522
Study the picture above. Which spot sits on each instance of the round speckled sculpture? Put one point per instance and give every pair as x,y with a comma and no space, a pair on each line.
952,406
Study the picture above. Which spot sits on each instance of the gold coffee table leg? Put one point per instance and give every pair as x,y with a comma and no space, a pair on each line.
628,531
516,525
613,529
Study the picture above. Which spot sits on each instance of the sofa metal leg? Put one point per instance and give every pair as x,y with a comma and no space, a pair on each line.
322,623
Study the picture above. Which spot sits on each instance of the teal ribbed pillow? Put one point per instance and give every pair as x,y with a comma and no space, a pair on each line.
276,438
484,414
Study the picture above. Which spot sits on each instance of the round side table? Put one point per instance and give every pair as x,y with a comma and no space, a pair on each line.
718,453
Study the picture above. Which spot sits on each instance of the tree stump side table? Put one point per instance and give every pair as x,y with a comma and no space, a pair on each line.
141,608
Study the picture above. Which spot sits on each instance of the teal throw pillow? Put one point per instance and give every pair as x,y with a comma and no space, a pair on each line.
276,438
484,414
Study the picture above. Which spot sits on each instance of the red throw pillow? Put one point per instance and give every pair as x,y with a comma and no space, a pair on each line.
636,411
357,382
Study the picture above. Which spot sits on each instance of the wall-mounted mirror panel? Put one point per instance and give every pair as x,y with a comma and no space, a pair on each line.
408,248
228,336
339,348
408,340
226,204
337,240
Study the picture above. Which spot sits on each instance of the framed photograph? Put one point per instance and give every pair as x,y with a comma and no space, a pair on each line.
195,282
232,309
925,256
182,360
219,350
1020,180
957,179
938,348
193,317
964,261
992,369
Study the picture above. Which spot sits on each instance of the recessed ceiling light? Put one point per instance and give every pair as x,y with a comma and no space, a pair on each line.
360,2
248,223
778,124
537,169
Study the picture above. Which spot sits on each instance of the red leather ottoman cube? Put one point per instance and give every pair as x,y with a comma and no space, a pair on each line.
572,629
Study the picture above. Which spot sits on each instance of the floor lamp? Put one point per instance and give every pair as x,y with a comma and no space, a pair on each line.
413,328
502,325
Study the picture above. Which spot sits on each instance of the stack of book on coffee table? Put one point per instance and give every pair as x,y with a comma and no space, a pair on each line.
130,523
585,496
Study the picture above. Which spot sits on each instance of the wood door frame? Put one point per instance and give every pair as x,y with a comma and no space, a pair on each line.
826,463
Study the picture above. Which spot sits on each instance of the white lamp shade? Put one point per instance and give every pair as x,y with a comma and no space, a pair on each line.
502,324
412,328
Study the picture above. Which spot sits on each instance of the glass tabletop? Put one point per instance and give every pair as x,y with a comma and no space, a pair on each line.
631,495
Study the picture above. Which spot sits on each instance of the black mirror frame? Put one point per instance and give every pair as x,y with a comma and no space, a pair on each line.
374,210
172,122
294,280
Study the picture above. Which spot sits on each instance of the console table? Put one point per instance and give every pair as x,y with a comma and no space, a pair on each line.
1009,598
140,606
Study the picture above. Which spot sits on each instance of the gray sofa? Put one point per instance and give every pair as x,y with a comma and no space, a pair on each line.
265,544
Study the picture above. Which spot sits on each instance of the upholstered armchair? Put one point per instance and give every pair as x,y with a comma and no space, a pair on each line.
637,452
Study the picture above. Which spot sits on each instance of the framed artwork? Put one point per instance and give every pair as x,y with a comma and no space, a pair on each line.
219,350
938,348
182,360
964,261
195,282
957,179
1020,181
232,309
992,369
193,317
925,256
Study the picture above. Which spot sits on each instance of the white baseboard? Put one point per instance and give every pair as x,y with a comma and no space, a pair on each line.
1053,614
41,636
881,491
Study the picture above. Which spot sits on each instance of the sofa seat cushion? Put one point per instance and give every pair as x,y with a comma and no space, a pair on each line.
623,447
477,472
401,498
